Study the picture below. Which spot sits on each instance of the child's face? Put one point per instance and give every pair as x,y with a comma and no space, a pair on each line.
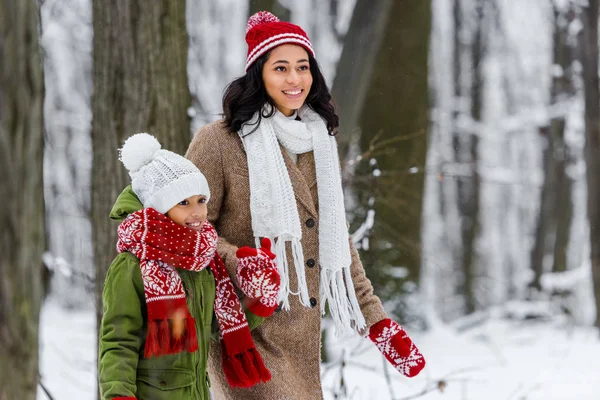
190,212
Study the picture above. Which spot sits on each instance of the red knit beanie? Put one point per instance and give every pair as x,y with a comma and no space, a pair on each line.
264,32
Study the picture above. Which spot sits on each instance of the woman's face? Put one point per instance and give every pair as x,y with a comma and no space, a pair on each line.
287,77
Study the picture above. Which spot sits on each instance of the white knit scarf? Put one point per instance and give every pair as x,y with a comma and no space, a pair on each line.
275,214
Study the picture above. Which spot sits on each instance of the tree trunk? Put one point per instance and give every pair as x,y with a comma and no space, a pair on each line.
355,67
468,63
395,117
22,211
564,204
592,134
552,231
140,85
545,232
565,55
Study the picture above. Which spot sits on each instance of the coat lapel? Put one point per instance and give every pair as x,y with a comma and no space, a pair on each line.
303,178
306,165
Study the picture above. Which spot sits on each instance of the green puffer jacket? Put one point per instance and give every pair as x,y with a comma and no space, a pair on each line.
122,369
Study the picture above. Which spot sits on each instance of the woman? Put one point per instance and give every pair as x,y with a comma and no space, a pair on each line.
274,172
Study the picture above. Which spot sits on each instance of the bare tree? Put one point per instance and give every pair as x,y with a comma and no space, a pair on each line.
552,231
467,61
22,211
355,67
390,106
592,134
140,85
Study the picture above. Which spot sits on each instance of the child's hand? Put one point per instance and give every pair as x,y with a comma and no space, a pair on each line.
178,324
258,277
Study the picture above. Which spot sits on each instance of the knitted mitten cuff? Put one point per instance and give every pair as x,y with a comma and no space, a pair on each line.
263,307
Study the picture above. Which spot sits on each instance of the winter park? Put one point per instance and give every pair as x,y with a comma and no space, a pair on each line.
285,199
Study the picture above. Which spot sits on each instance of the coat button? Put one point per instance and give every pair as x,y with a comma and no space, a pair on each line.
163,383
310,262
310,222
313,302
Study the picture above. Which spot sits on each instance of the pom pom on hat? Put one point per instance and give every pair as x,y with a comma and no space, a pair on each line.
261,17
265,31
138,150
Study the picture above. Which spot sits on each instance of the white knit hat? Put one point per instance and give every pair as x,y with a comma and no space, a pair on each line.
160,178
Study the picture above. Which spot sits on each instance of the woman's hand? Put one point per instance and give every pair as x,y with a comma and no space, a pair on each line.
393,342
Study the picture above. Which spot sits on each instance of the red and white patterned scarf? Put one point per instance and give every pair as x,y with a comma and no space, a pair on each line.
161,245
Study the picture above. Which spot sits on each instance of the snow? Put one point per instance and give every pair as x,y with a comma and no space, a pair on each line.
519,352
500,359
67,351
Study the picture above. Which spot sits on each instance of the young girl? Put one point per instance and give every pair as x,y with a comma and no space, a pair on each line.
274,172
163,289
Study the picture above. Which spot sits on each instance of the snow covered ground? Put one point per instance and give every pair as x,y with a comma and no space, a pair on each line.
67,352
498,360
493,358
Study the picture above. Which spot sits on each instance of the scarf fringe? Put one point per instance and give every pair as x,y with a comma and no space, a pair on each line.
337,292
244,369
358,317
160,340
300,271
190,337
284,269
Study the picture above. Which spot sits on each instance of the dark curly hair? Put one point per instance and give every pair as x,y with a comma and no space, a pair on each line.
247,94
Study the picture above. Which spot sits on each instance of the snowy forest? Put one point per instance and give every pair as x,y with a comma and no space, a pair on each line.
470,147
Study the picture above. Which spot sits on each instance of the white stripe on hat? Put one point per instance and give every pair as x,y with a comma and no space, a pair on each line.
271,42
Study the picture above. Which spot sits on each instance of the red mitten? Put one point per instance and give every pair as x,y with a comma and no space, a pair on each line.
258,278
393,342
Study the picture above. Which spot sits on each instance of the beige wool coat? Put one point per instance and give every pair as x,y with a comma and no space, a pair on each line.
289,341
